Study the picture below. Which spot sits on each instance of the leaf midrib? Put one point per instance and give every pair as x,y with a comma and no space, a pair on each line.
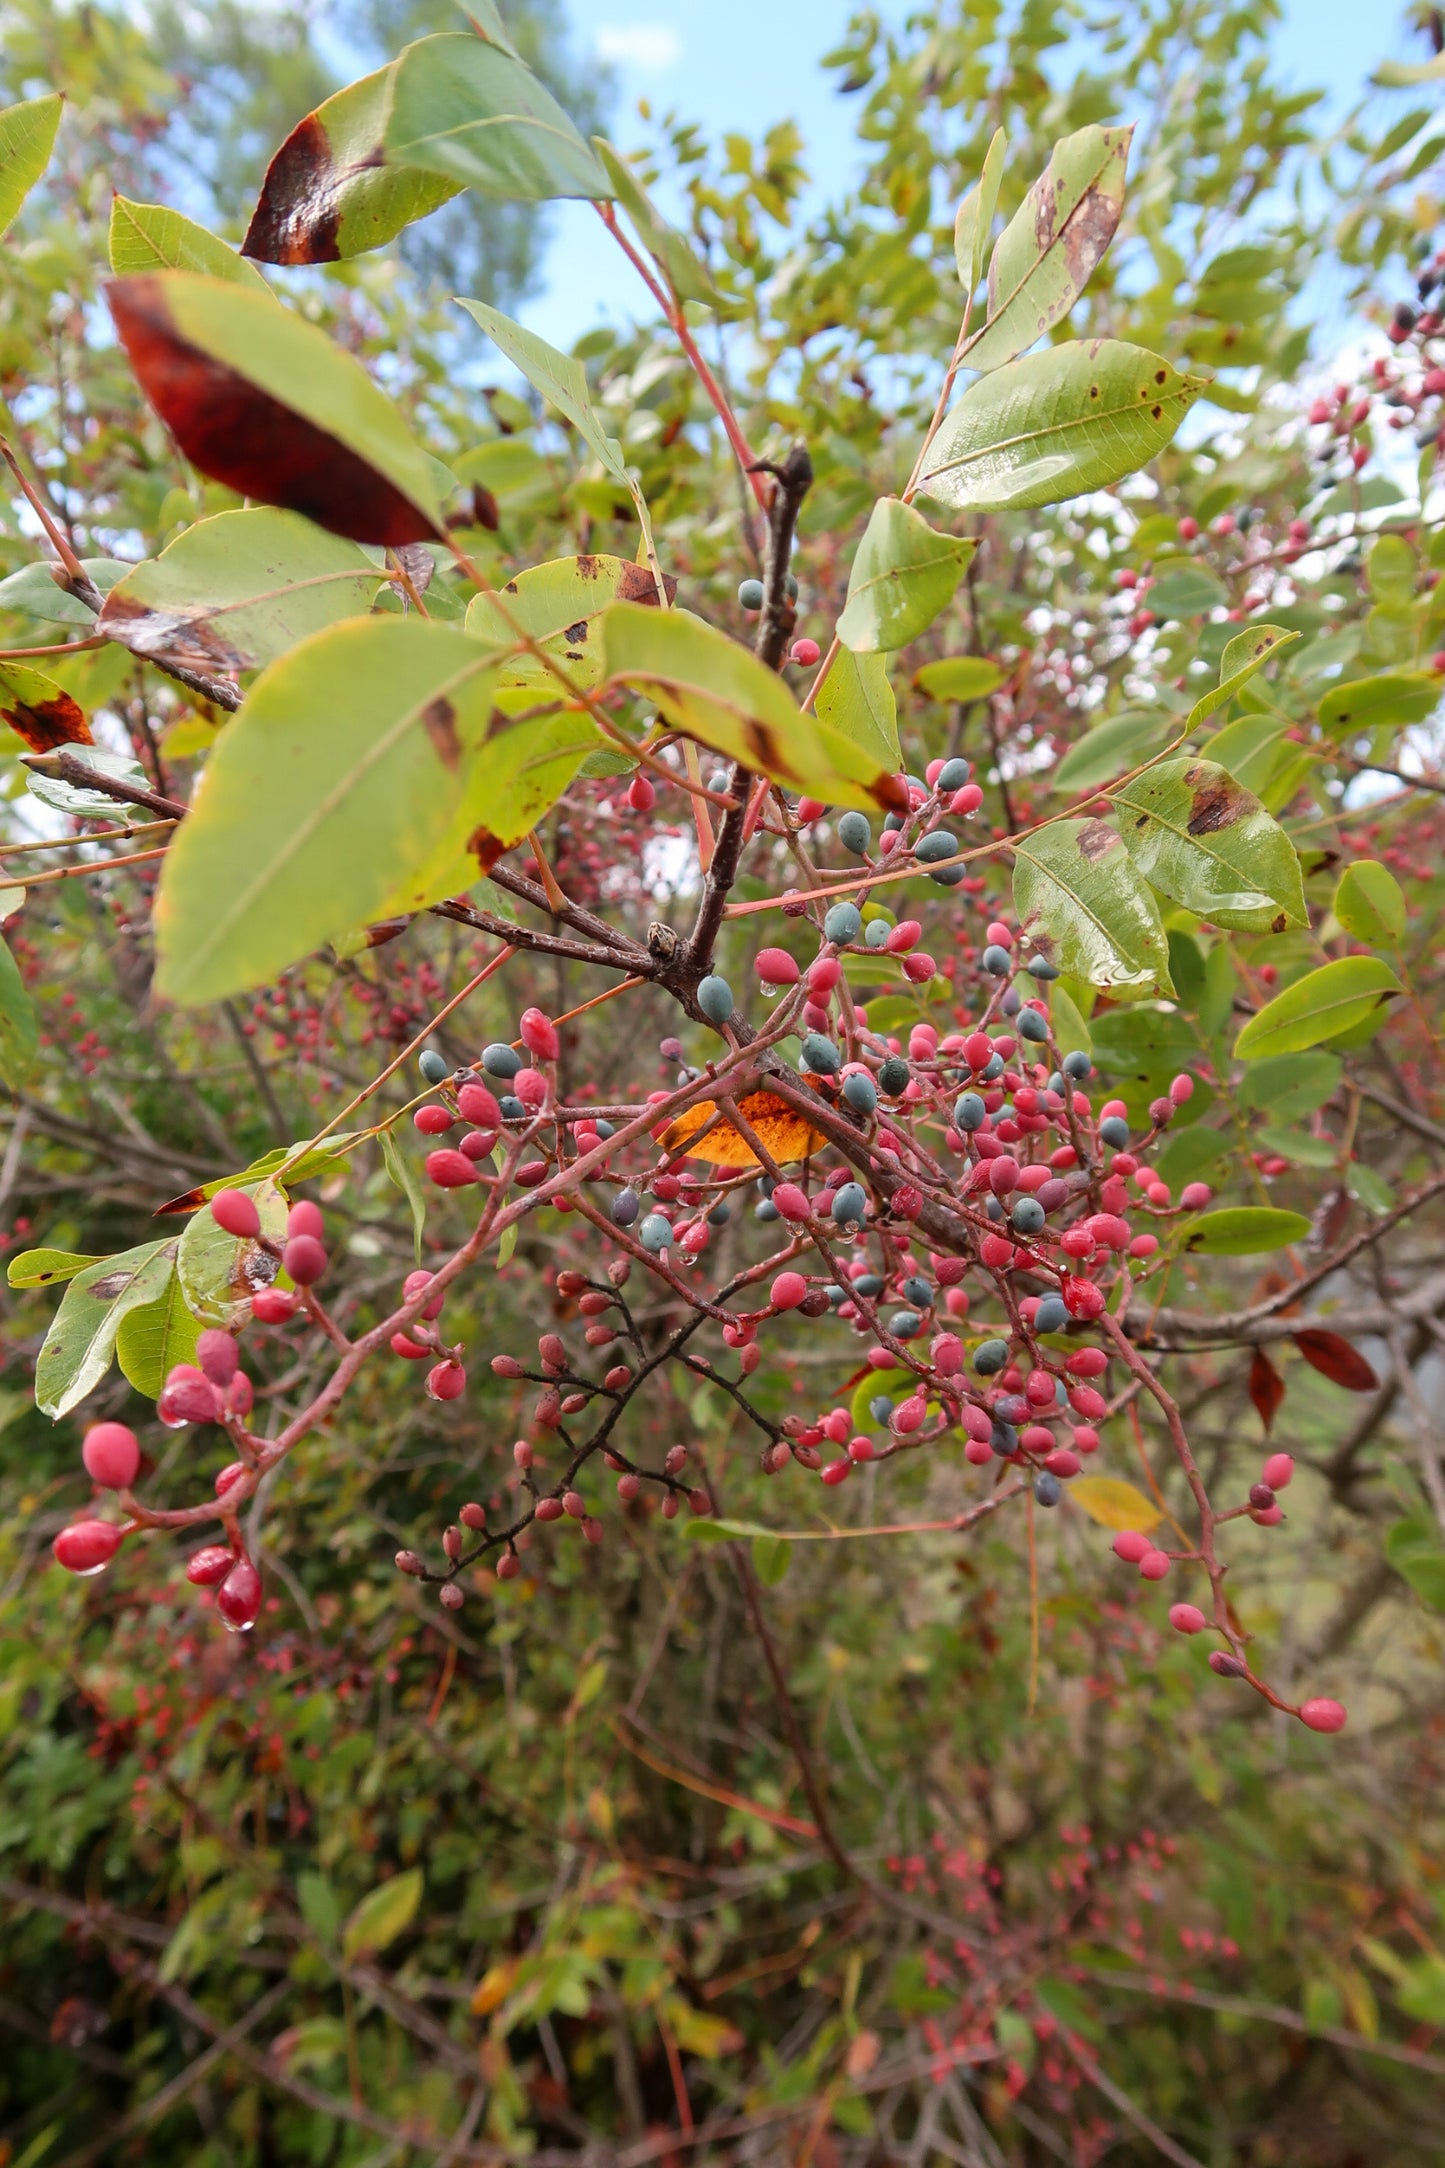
1180,391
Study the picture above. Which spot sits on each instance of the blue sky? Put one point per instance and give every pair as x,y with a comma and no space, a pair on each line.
742,64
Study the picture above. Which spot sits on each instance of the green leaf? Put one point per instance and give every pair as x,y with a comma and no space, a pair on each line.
558,605
47,1268
1391,570
1202,839
903,574
19,1025
1246,653
401,1171
708,1530
1080,898
155,1337
27,137
1243,1230
1298,1146
974,222
561,381
328,193
150,237
712,688
235,591
1184,590
1320,1006
1122,741
1421,1993
856,699
1055,425
472,112
34,591
217,361
687,277
74,797
1049,249
1395,697
1287,1086
772,1555
218,1272
383,729
319,1906
81,1340
382,1915
959,677
1370,904
1401,74
1070,1028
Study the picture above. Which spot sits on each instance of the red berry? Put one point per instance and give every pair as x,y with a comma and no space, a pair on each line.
111,1455
412,1286
273,1305
408,1350
539,1035
450,1170
640,795
188,1396
304,1259
837,1471
240,1394
208,1566
788,1290
477,1105
1188,529
805,653
86,1546
230,1474
434,1121
448,1381
239,1601
1322,1714
305,1219
236,1212
775,967
218,1355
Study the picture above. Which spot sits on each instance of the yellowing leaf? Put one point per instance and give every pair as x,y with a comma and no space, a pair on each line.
786,1135
383,1914
1114,1504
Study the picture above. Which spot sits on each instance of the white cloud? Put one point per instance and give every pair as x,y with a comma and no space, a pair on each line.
649,47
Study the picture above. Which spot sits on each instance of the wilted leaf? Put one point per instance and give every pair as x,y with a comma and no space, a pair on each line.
233,592
27,137
712,688
1338,1360
328,193
784,1133
1055,425
1321,1005
1051,246
1266,1388
904,573
1243,1230
382,1915
1085,908
472,112
38,711
81,1340
151,237
1200,837
264,402
1114,1504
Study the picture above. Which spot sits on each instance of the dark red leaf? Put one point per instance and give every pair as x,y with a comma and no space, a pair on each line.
1266,1388
298,217
1336,1359
238,434
46,724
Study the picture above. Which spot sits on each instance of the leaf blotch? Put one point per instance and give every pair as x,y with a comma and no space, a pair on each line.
439,718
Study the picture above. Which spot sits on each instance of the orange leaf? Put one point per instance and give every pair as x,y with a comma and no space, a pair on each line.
1266,1388
1334,1357
784,1134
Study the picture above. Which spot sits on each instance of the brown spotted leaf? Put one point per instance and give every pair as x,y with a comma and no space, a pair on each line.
1084,907
264,402
1266,1388
1201,838
39,711
558,604
1052,245
1338,1360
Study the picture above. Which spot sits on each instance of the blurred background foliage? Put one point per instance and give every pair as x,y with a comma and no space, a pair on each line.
382,1884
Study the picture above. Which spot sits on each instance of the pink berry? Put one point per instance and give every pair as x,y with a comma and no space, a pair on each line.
434,1121
304,1259
837,1471
1188,529
1279,1471
1322,1714
448,1381
218,1355
86,1546
231,1473
476,1104
305,1219
206,1567
1131,1546
236,1212
111,1455
791,1201
410,1351
967,800
188,1396
788,1290
539,1035
640,795
1187,1618
273,1305
412,1286
775,967
805,653
1195,1195
449,1169
239,1600
1154,1565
